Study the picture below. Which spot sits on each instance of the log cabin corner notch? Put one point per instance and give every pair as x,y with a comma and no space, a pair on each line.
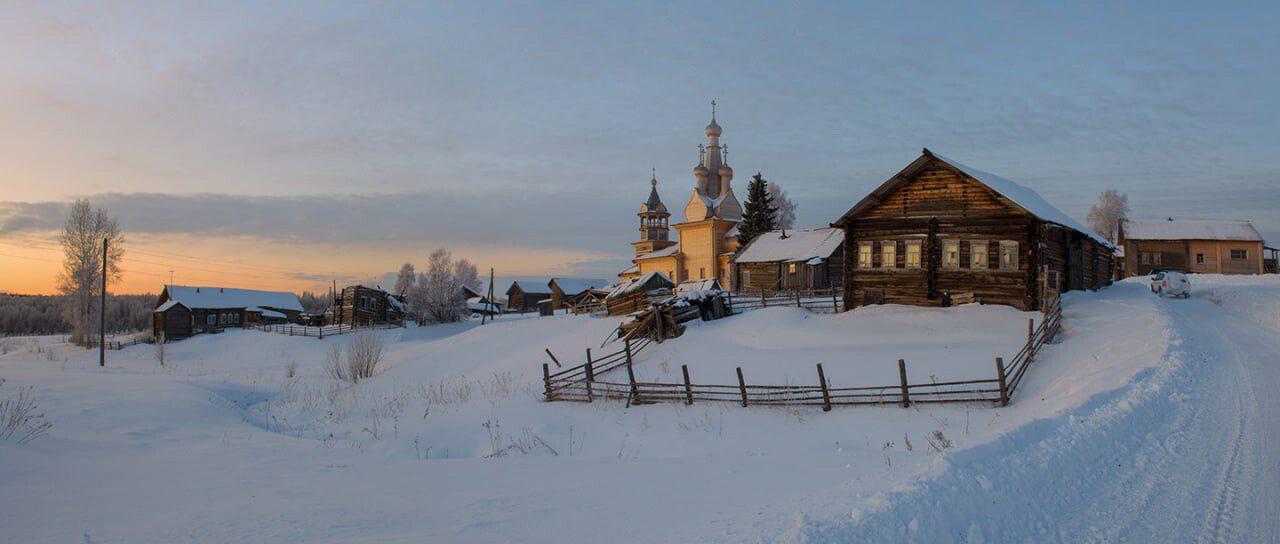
939,230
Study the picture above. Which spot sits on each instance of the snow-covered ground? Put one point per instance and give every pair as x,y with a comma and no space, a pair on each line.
1149,419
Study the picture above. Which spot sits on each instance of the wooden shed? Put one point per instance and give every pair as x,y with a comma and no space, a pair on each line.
183,311
521,299
636,293
565,292
1207,246
940,232
790,260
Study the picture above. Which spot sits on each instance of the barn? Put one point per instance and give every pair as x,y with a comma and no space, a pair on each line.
790,260
183,311
524,297
1208,246
939,232
566,291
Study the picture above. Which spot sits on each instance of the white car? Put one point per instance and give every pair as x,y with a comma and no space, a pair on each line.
1170,283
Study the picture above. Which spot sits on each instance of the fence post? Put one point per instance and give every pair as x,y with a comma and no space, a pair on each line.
798,299
902,374
546,380
1031,327
321,329
826,395
635,393
742,386
626,345
1004,390
688,386
763,303
835,306
591,374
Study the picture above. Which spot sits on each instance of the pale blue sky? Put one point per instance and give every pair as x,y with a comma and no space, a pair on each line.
536,124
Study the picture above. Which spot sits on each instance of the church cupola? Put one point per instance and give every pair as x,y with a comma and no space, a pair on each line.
655,221
712,193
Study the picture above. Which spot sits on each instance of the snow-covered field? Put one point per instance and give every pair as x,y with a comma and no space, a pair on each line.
1149,419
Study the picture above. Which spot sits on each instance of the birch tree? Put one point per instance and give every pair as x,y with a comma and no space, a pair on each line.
1105,216
81,276
784,214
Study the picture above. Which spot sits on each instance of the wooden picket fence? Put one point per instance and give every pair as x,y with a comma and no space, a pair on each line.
580,384
827,301
326,330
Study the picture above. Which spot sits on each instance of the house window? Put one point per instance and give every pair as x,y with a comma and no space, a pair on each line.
1239,254
864,254
913,254
1150,257
1008,255
888,254
951,253
746,277
978,254
791,268
1199,258
702,273
212,319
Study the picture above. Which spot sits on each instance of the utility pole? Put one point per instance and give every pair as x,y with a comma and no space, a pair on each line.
488,298
102,314
170,277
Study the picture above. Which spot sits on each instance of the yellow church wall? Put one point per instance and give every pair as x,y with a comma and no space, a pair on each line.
665,265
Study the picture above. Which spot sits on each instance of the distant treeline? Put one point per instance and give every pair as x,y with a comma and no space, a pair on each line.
43,314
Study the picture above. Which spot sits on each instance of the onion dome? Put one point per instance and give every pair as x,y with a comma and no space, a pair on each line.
713,130
700,171
725,171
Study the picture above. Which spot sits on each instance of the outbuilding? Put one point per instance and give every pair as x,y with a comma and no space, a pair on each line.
790,260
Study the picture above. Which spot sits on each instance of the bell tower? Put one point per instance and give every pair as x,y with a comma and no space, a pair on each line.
654,222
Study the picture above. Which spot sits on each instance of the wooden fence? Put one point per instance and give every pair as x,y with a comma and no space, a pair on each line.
827,301
326,330
595,366
582,386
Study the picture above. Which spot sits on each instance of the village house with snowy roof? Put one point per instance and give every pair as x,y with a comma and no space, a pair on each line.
183,311
1207,246
524,297
939,232
567,292
708,234
790,259
363,305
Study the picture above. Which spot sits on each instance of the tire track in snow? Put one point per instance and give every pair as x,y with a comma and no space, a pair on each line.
1093,475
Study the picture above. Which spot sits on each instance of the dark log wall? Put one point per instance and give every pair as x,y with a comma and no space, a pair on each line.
963,211
174,322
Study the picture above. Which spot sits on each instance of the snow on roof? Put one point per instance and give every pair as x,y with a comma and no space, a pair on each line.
692,286
1190,229
1024,197
577,286
798,245
516,285
666,252
634,284
166,306
226,297
269,313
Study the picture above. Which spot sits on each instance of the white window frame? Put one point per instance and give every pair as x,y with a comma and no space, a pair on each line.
864,254
746,278
976,248
951,254
889,254
913,259
1008,248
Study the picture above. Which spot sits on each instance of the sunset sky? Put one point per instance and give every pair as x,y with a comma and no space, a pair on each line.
286,145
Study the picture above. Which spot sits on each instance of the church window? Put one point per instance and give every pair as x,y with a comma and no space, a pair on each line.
913,254
888,254
702,273
951,253
864,254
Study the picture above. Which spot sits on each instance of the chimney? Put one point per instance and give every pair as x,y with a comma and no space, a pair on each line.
197,289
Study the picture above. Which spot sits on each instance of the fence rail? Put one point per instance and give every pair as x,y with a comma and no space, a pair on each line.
323,331
580,384
815,300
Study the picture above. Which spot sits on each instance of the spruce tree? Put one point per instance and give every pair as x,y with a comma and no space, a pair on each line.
758,217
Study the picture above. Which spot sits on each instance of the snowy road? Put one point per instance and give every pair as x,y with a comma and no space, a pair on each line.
1189,452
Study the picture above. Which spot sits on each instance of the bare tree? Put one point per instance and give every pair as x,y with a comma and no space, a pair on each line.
784,216
438,294
405,280
81,276
1106,215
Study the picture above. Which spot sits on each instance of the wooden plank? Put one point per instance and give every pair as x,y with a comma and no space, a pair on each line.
826,395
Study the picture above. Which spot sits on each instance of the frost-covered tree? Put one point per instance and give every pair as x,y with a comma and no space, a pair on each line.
438,295
1106,215
81,276
784,216
405,280
758,217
